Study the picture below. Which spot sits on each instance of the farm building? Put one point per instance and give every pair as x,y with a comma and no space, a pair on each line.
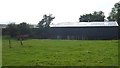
84,30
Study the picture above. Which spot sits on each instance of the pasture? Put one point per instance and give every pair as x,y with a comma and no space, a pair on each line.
35,52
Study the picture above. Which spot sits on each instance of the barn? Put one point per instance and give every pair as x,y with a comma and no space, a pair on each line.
84,30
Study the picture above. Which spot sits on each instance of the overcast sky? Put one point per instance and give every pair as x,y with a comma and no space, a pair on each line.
32,11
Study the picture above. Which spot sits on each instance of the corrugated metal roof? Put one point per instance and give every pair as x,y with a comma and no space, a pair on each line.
84,24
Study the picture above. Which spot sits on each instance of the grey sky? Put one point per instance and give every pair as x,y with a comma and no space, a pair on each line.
31,11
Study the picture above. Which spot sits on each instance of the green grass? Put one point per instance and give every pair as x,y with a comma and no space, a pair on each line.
61,53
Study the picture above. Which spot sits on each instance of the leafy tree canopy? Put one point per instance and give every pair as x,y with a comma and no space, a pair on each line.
115,13
95,16
12,29
23,28
45,22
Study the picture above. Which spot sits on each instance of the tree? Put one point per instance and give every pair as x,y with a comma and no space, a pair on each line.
45,22
44,25
12,29
23,28
19,31
92,17
112,16
115,13
117,8
24,31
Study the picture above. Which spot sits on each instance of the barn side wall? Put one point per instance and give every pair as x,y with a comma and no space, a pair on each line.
73,33
83,33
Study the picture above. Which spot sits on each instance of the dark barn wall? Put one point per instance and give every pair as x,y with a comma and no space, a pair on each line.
83,33
73,33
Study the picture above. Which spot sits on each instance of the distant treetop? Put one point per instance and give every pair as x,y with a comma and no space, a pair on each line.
92,17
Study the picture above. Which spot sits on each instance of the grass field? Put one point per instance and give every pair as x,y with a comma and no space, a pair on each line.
61,53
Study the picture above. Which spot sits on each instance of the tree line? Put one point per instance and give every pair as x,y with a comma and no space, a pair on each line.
99,15
23,31
93,17
14,30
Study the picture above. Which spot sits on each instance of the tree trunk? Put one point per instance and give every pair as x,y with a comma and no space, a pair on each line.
10,43
21,41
